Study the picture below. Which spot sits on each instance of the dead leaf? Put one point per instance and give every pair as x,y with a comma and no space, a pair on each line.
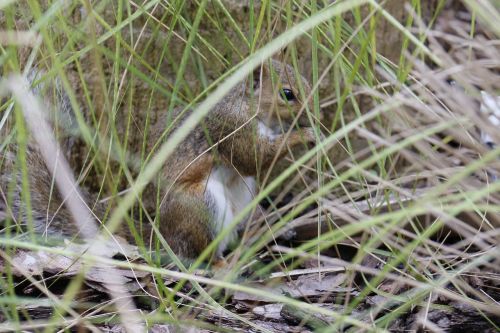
269,311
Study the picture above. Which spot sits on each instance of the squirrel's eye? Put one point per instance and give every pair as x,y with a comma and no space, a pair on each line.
287,95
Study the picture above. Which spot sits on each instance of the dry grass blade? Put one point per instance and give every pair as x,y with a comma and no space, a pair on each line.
23,38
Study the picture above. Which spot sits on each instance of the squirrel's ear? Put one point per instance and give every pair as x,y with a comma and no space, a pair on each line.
260,73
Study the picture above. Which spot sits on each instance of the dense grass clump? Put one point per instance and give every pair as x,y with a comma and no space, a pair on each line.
390,222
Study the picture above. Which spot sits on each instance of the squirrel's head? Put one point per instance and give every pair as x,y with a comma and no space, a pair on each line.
281,93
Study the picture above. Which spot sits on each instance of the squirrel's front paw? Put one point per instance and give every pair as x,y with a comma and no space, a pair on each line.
310,135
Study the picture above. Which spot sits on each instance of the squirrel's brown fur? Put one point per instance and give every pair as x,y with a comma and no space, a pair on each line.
201,189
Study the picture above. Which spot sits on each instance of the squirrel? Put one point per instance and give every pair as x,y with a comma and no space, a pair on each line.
209,178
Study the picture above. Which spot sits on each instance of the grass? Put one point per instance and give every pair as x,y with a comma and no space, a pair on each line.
401,176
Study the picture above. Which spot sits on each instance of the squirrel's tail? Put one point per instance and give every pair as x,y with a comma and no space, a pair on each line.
29,199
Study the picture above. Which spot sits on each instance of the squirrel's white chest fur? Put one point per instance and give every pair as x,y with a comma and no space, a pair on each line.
227,194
